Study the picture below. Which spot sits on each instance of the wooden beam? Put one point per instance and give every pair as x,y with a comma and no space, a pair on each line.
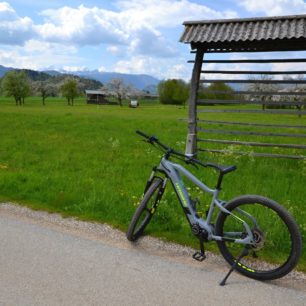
229,132
258,93
191,143
254,81
252,124
255,61
251,111
252,72
255,154
246,102
253,144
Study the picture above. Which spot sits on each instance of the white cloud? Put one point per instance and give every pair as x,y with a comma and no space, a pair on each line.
102,69
14,29
37,55
274,7
167,13
162,68
148,42
82,26
179,71
136,25
75,68
7,13
139,32
115,50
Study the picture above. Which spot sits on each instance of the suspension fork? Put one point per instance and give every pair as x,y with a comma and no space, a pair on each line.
152,177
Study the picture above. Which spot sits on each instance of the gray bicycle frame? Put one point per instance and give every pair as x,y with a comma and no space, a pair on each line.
174,171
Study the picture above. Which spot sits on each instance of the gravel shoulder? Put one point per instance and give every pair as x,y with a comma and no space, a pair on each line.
147,245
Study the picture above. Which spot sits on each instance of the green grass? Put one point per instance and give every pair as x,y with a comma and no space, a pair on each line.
86,161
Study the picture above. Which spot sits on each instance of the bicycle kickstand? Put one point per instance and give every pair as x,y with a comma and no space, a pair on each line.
245,252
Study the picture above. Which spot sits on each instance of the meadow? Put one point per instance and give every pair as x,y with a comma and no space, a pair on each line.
86,161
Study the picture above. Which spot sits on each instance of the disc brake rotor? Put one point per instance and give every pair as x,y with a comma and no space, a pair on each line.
259,239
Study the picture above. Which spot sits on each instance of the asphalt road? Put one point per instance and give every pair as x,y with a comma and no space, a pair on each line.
43,265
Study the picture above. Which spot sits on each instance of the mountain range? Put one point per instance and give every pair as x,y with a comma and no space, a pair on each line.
139,81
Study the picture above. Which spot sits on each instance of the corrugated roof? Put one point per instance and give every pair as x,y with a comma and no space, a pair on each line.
94,92
229,33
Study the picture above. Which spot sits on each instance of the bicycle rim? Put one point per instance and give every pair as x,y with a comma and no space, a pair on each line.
278,243
145,211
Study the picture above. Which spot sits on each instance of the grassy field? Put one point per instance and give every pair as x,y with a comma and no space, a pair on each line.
86,161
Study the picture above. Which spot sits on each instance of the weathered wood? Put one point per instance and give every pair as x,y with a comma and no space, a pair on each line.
191,143
233,49
256,61
253,144
257,102
259,93
253,124
254,154
284,43
293,112
254,81
252,72
251,133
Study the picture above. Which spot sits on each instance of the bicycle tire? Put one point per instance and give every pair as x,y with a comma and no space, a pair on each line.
145,210
286,245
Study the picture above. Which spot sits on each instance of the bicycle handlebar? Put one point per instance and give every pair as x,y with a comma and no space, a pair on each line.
187,159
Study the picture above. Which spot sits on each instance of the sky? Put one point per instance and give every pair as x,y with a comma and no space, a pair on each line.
127,36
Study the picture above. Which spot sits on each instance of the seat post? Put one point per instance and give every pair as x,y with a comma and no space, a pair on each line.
220,178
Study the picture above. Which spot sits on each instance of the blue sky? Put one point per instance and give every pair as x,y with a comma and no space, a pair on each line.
129,36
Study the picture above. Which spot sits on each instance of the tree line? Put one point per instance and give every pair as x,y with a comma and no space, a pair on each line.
23,83
176,91
20,84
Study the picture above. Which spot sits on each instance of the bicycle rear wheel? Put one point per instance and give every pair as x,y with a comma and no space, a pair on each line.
145,210
278,243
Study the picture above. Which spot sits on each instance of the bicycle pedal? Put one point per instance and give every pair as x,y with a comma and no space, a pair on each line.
199,256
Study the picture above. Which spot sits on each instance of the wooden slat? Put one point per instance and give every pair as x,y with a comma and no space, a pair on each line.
253,144
253,124
251,111
258,93
249,49
229,132
278,60
254,81
255,154
252,72
273,103
254,61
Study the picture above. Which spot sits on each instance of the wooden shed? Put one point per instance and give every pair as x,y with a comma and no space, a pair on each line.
248,35
96,97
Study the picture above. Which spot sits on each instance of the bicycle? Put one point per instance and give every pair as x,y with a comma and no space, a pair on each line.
241,229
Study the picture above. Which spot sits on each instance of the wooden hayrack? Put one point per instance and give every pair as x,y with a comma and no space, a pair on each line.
261,35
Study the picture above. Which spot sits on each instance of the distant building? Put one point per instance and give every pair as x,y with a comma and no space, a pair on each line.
96,97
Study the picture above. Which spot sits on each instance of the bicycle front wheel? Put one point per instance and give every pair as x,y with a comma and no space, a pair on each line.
145,210
277,246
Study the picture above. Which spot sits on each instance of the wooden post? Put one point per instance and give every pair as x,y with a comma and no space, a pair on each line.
191,141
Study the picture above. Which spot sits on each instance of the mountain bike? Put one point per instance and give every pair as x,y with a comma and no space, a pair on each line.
249,229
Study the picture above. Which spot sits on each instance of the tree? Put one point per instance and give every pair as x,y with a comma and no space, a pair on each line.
70,90
261,88
45,89
222,92
117,88
173,92
295,89
16,84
